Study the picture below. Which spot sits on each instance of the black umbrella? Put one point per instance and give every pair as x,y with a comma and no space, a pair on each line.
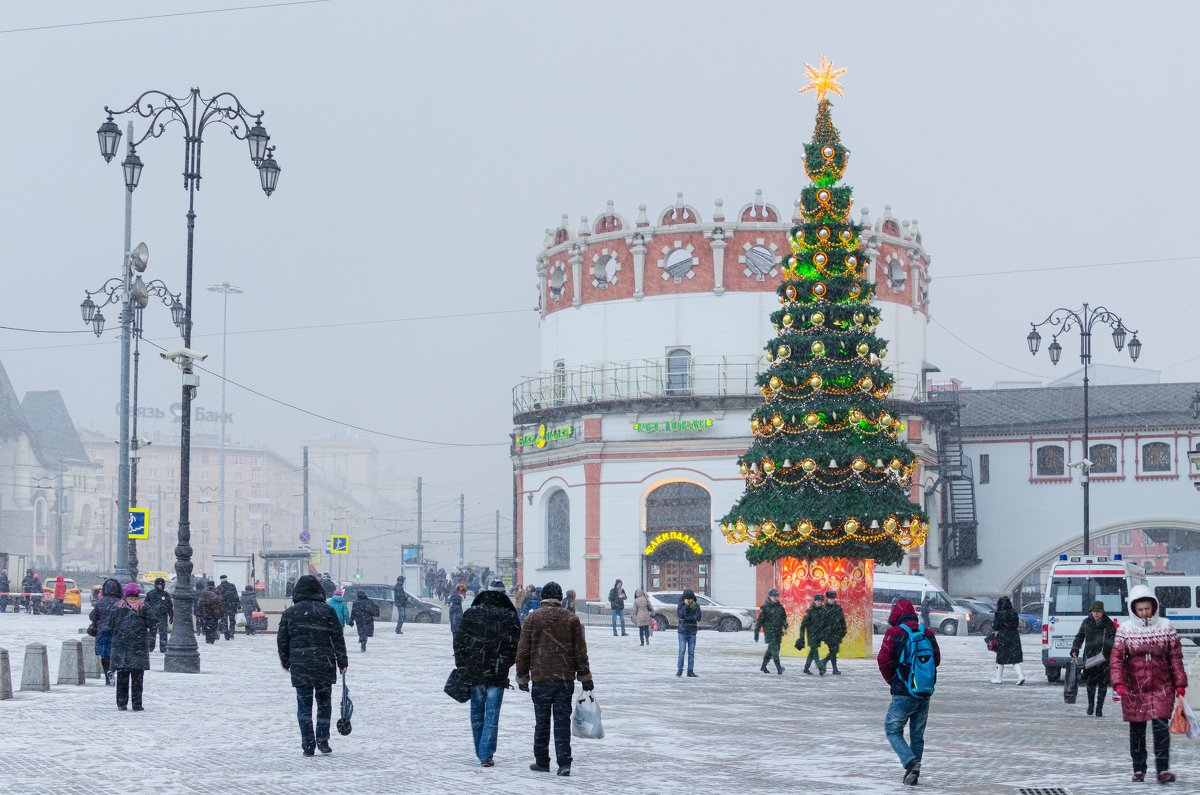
343,724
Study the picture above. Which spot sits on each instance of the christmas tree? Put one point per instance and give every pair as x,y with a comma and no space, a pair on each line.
827,474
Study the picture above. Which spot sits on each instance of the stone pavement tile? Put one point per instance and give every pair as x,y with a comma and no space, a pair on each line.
232,728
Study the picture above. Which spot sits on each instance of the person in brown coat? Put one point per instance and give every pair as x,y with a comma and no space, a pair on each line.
1147,672
641,616
552,652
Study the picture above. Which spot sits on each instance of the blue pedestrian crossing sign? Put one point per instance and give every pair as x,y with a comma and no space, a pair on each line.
339,545
139,524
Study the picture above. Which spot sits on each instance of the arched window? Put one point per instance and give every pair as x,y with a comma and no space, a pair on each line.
679,372
560,383
1103,458
1156,457
1050,461
558,531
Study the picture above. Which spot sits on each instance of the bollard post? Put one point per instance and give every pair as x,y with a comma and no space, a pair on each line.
70,663
91,663
5,676
35,675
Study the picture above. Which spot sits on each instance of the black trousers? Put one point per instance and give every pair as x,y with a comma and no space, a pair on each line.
1162,745
552,698
833,651
229,624
159,631
129,684
304,702
211,628
643,634
814,656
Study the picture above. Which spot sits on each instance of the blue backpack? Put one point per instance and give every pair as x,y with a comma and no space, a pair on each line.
917,663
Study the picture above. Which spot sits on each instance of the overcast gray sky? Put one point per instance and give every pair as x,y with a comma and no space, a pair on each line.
425,148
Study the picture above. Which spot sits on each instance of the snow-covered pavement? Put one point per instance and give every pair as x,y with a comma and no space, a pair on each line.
232,728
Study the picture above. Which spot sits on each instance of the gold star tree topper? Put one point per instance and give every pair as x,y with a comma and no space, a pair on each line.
823,78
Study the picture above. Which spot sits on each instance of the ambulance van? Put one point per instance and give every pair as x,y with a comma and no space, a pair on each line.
1075,582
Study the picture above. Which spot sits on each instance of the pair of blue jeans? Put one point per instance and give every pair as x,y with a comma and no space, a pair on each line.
687,641
485,718
914,712
304,699
620,613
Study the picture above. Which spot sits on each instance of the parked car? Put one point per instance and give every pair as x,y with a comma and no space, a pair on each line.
664,605
981,614
71,601
1029,617
382,594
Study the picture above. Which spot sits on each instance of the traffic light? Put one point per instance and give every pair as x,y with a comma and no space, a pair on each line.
358,575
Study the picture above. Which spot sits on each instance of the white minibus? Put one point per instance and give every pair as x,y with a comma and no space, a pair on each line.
1178,598
944,616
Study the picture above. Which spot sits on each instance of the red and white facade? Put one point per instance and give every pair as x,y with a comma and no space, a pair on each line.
652,333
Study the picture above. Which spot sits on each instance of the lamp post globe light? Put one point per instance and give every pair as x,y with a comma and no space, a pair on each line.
193,113
1061,321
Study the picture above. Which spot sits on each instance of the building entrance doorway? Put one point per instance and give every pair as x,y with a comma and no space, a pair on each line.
678,531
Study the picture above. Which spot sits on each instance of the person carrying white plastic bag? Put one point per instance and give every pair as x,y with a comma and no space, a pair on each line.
586,721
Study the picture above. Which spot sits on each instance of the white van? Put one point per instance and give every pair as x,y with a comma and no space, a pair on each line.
944,615
1075,582
1178,600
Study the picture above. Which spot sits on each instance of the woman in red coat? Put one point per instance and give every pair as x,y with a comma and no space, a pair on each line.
1147,672
60,594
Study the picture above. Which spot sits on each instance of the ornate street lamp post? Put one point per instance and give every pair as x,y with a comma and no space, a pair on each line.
194,114
1064,320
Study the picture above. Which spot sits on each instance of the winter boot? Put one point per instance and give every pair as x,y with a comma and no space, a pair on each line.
1020,674
778,668
364,645
764,667
1102,692
679,672
1091,691
998,677
807,671
833,665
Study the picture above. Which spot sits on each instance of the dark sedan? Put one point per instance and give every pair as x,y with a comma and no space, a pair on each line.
418,610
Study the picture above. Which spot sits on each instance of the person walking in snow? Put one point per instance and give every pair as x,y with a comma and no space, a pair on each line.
772,622
210,608
29,586
130,624
158,602
400,602
688,613
905,707
60,595
1008,641
1096,635
812,633
362,617
835,629
232,602
552,653
110,594
456,607
642,616
485,646
249,605
338,603
313,650
1147,672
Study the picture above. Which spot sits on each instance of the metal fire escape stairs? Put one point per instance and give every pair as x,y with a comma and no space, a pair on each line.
956,482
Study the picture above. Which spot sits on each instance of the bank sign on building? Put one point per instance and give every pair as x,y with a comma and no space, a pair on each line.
625,444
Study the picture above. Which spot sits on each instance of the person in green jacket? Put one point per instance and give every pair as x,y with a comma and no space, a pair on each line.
835,629
772,622
338,603
812,633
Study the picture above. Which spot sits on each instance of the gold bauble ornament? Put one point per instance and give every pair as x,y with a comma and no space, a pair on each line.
817,318
818,347
851,526
775,383
885,420
788,320
766,390
812,420
754,423
896,465
808,465
859,317
741,526
777,420
816,381
784,351
883,354
890,524
768,466
863,349
770,357
859,465
855,416
866,384
805,528
768,529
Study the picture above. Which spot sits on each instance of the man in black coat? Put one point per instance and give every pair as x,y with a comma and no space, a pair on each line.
835,629
312,647
813,630
362,617
158,605
30,585
327,585
233,603
400,600
485,646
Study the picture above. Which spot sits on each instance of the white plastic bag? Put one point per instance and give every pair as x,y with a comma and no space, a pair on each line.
1193,730
586,720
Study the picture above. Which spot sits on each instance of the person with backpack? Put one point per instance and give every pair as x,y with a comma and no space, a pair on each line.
772,622
908,660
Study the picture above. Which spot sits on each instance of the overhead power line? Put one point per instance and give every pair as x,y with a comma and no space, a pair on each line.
115,20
